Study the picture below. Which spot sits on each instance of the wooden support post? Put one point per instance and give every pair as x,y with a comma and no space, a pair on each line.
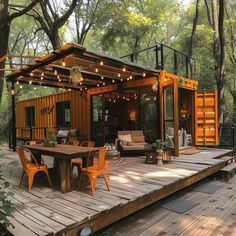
13,118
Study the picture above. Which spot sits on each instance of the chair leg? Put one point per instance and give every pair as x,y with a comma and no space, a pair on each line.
30,180
106,182
93,179
21,178
49,180
107,170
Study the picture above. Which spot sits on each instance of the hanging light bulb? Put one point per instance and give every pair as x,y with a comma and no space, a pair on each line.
86,88
35,88
63,63
69,89
42,74
41,77
17,82
31,74
45,87
131,77
81,89
103,83
119,75
124,69
81,83
102,77
113,81
21,86
30,82
98,85
96,70
101,63
144,74
13,91
121,80
55,72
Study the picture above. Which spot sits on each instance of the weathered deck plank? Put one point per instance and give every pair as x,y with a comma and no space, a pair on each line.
133,184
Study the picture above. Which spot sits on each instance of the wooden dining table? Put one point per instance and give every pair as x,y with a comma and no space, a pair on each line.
63,154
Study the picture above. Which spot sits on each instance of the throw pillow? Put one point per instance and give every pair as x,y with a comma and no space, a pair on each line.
125,137
63,133
138,139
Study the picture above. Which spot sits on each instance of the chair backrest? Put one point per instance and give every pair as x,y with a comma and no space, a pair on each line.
32,142
87,144
23,158
101,158
73,141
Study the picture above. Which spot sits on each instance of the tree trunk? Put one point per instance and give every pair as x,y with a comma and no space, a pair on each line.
4,35
55,39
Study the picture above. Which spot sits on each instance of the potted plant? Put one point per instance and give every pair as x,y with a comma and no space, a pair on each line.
158,146
51,141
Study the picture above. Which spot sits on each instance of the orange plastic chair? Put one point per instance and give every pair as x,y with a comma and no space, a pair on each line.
73,141
31,168
94,171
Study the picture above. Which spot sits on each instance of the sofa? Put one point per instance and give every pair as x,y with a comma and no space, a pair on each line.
63,134
131,142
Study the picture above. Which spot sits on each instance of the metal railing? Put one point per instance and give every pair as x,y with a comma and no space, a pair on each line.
163,57
34,133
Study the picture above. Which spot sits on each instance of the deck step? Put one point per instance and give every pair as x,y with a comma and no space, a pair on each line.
228,171
228,159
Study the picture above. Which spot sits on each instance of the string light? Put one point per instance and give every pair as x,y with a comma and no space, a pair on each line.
86,88
55,72
30,82
21,86
31,74
144,74
58,77
17,82
121,80
124,69
13,91
35,88
45,87
101,63
81,83
98,85
131,77
63,63
104,83
42,74
41,77
96,70
102,77
119,75
113,81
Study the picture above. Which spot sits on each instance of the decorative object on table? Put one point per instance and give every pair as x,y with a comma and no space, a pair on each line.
166,155
50,141
158,146
151,157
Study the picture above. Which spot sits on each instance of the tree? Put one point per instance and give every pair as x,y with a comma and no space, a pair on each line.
6,19
216,20
50,21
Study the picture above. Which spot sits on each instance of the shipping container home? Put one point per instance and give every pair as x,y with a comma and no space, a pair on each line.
110,94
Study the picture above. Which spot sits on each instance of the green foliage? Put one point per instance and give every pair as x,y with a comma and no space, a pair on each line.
7,208
158,144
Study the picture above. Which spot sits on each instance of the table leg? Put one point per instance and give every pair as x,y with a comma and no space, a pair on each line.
65,173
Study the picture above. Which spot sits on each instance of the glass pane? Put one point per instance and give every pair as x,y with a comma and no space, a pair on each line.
97,120
169,117
149,114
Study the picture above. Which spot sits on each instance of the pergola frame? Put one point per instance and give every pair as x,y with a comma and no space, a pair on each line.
53,70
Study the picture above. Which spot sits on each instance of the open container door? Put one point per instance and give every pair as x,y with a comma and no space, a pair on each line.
206,118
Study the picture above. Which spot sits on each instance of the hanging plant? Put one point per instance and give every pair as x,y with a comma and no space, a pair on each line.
120,88
76,75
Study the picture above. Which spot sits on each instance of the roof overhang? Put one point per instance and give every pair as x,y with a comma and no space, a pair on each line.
98,69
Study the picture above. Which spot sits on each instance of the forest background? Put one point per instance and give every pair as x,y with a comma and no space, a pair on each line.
203,29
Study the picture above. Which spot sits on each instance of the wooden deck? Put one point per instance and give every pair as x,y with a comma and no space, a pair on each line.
134,185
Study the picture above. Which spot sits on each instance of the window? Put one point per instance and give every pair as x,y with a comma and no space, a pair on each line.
63,114
29,116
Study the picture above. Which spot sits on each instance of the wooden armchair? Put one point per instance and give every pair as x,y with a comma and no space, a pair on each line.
31,167
97,169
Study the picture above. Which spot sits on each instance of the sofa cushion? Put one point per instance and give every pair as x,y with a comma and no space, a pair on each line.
137,144
73,132
133,148
138,139
125,137
63,133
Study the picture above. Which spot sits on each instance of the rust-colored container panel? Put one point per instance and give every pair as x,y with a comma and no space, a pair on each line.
206,118
45,113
